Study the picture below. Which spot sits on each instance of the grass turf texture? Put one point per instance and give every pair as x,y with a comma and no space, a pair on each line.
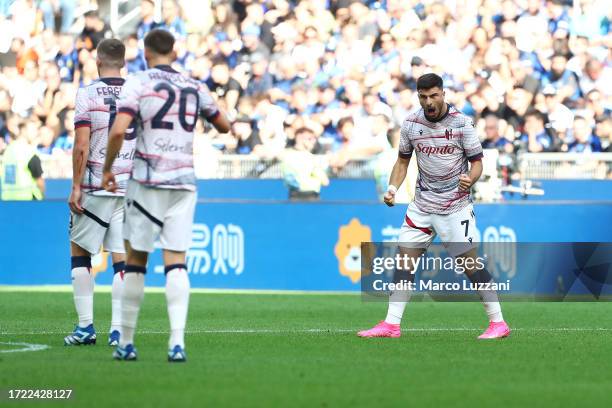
541,364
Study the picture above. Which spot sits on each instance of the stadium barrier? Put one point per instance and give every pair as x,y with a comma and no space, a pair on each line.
565,165
341,189
230,166
277,245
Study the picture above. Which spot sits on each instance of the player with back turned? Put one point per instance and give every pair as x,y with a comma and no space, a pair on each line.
161,193
445,141
96,215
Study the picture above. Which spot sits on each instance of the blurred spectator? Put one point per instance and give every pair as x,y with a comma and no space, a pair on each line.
562,79
596,76
493,134
252,44
559,115
223,85
603,130
67,59
256,17
535,135
21,171
95,30
147,19
65,141
302,171
595,102
357,143
584,139
260,81
51,9
134,55
172,20
248,138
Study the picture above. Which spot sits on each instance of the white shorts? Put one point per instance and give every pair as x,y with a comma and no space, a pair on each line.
457,231
152,212
99,225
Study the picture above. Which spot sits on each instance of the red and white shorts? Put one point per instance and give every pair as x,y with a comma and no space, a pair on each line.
457,231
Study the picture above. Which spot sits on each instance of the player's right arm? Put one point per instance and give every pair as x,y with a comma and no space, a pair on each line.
221,122
80,151
400,168
211,111
398,174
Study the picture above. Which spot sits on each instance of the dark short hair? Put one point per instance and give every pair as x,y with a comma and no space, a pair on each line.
159,41
536,114
304,129
111,52
429,81
559,54
92,14
344,121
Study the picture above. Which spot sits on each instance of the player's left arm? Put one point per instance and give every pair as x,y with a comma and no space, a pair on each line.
473,151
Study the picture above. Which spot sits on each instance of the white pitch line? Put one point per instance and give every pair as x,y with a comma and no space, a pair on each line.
329,331
24,347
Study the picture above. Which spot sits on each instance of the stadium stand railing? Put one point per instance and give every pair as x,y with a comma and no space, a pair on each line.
530,166
565,165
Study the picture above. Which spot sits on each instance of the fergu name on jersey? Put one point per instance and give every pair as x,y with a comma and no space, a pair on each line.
429,150
109,91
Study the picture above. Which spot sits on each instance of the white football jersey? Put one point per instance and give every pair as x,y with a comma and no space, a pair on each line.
96,108
443,149
166,105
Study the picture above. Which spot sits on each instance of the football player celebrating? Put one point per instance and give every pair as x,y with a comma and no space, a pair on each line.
444,141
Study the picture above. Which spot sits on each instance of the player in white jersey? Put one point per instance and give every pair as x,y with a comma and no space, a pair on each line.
96,215
444,141
161,193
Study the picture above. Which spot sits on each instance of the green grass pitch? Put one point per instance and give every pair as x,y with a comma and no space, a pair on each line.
259,350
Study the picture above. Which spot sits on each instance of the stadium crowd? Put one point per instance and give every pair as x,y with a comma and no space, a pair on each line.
535,74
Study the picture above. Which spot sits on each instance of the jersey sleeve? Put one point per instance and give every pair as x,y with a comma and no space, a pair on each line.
82,114
129,99
471,143
405,146
208,107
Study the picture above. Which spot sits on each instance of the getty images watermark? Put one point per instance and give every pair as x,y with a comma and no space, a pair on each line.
553,271
409,264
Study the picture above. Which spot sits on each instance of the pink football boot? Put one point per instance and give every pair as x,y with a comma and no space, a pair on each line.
496,330
382,329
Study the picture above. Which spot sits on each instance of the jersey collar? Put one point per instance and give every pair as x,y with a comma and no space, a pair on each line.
167,68
116,81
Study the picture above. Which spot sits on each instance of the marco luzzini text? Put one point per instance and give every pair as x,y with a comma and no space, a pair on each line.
429,285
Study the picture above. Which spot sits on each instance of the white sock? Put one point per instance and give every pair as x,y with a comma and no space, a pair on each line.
490,301
83,289
116,293
494,312
177,297
397,303
133,292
